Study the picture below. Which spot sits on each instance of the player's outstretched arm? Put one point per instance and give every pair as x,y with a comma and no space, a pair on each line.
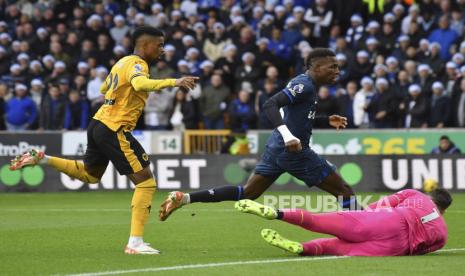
142,83
271,109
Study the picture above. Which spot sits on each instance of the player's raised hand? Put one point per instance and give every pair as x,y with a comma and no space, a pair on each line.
293,145
337,121
188,82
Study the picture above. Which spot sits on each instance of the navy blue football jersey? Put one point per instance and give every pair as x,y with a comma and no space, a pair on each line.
299,114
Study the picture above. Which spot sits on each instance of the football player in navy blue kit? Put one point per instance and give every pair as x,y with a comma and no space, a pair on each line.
287,149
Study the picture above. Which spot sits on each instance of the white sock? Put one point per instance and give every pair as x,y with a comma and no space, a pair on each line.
186,199
133,240
44,161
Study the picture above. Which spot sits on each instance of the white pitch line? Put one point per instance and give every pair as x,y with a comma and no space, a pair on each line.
208,265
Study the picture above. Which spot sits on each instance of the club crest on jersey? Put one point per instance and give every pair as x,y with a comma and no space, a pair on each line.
138,68
297,89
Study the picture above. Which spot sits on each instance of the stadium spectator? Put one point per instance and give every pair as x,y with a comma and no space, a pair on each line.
264,55
247,74
361,67
15,76
343,69
320,17
424,78
327,106
346,103
213,103
458,110
76,113
68,40
20,110
440,106
242,113
3,93
278,46
36,92
444,35
413,16
355,32
416,108
93,88
184,114
457,21
158,108
269,89
206,72
216,42
52,112
382,106
361,101
292,34
446,146
120,29
4,61
450,77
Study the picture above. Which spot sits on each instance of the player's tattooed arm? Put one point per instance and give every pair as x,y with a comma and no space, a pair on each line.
271,109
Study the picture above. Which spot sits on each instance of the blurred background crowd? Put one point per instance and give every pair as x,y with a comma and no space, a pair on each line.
402,63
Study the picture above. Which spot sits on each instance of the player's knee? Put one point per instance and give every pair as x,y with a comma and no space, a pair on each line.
88,177
92,175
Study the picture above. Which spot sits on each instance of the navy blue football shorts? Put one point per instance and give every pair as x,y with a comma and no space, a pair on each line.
305,165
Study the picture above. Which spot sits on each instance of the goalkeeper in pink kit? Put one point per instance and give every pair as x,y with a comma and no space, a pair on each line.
405,223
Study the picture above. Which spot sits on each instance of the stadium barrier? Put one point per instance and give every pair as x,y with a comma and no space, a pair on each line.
328,142
371,173
204,141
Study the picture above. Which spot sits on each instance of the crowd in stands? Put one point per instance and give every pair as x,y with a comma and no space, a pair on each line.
402,64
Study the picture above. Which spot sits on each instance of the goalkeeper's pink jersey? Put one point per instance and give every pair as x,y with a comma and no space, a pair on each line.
427,228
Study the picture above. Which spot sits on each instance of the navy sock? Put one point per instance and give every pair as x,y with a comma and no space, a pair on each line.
225,193
280,214
350,204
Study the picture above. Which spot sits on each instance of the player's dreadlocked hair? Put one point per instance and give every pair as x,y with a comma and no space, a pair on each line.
318,53
441,198
145,30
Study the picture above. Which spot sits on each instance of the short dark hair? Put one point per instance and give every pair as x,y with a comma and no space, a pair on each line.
145,30
318,53
441,198
444,137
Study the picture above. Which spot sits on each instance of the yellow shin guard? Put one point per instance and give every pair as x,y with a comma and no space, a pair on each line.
73,168
140,206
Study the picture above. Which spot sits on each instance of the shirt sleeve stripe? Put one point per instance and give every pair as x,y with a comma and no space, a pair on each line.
136,75
288,95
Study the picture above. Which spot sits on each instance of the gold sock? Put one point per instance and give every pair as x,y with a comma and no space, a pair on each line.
140,206
73,168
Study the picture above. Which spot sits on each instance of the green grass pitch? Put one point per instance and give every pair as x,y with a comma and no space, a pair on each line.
70,233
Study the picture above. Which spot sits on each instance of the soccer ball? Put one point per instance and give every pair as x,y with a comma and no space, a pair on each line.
430,185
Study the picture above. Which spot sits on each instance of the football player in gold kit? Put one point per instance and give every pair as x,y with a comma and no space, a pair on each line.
109,135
